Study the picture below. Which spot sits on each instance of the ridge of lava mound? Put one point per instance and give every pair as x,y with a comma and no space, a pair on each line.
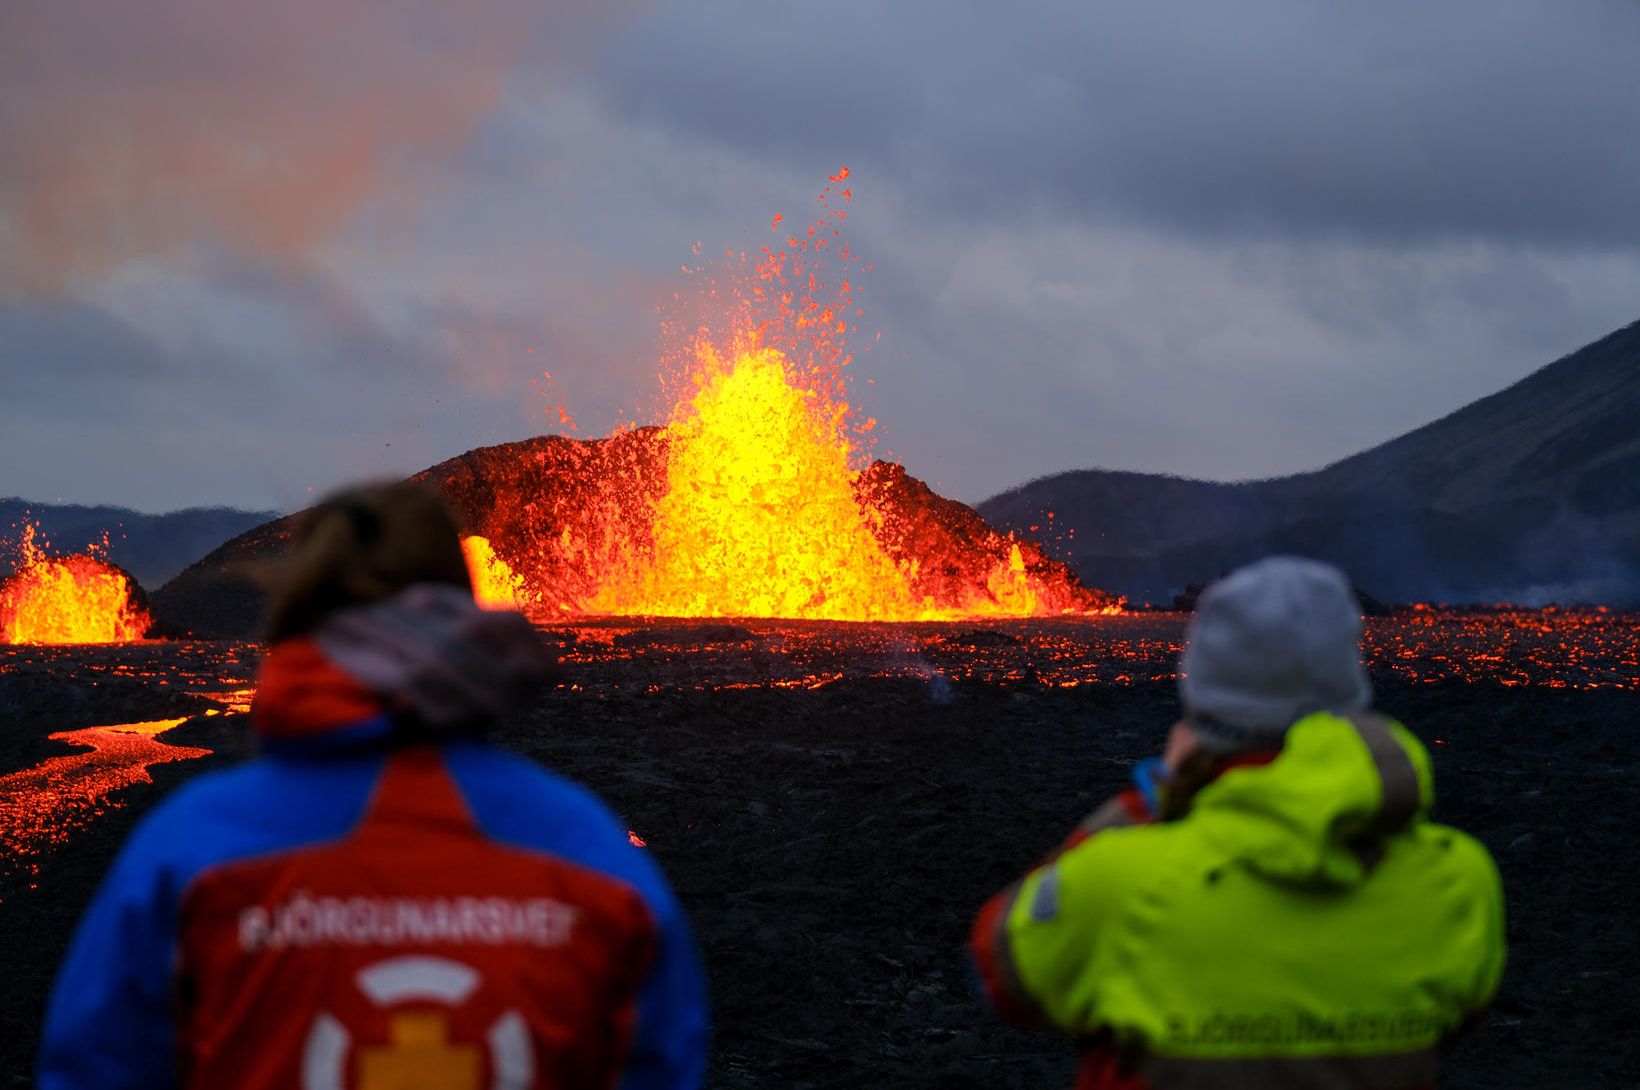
554,510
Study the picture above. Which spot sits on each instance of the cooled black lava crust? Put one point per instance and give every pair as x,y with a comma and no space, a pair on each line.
831,846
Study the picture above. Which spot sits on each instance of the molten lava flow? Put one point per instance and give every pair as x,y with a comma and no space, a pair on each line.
495,584
72,599
43,806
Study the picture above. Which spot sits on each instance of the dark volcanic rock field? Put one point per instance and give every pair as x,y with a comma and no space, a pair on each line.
831,845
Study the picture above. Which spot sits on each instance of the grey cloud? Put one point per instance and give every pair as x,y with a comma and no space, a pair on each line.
1220,244
1400,121
72,359
249,381
239,388
1038,342
1014,352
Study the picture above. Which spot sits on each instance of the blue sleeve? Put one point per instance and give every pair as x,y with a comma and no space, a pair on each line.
669,1041
519,802
108,1025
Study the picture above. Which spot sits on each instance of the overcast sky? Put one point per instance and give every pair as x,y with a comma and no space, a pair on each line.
248,250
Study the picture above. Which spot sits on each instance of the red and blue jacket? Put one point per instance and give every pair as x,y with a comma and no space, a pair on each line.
348,910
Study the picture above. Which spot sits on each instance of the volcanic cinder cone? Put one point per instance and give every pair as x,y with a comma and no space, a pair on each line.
560,511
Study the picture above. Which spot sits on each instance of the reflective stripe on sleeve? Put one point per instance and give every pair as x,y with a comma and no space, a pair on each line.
1116,813
1007,969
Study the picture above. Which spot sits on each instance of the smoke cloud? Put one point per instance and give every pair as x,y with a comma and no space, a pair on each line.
137,129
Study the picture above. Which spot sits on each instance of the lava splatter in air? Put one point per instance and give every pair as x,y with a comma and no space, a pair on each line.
765,510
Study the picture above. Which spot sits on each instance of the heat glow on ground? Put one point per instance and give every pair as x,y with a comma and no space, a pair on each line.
1557,649
43,806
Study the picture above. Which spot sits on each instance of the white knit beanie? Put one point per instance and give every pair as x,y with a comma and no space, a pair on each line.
1269,644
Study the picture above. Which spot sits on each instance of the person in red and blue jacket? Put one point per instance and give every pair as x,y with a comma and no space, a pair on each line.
382,900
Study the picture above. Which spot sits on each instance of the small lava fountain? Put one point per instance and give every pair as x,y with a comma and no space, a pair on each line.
495,584
81,598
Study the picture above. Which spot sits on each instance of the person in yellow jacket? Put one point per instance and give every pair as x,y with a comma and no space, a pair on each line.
1270,906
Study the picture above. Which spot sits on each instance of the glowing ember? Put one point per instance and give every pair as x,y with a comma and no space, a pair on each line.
495,584
233,701
43,807
73,599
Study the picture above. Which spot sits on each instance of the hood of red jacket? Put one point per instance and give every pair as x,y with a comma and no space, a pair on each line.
426,663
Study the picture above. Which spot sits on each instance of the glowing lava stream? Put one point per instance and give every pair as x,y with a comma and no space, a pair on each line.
71,599
43,806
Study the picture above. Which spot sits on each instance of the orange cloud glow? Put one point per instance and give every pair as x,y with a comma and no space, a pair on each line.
134,129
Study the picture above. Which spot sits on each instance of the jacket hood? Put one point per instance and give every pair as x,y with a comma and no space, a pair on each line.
428,662
1320,812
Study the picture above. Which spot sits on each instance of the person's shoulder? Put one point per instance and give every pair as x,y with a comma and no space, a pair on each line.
516,792
1123,861
254,808
1124,844
518,802
1462,855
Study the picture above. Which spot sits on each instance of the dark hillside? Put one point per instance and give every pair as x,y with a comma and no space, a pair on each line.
151,547
1569,431
1529,495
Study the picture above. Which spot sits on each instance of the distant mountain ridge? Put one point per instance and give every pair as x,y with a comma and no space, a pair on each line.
151,547
1530,495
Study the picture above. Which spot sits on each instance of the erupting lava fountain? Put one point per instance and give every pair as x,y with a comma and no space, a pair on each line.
751,502
80,598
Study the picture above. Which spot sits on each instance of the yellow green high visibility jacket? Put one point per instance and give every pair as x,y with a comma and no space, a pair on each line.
1303,925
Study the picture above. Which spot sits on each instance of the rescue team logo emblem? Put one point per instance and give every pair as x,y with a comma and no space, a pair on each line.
418,1054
